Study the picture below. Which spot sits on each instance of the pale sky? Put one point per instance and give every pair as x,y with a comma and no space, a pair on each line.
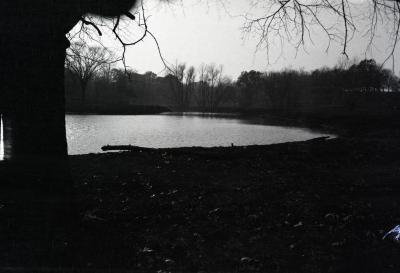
196,33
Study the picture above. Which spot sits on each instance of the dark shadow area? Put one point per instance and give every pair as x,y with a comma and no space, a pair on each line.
320,205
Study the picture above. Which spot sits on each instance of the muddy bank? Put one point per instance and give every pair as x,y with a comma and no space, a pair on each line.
316,206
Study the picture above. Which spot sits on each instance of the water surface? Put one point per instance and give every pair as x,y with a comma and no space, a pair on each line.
88,133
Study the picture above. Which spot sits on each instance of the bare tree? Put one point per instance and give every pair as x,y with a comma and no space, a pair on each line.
214,79
294,21
182,84
128,29
212,88
190,79
202,90
85,61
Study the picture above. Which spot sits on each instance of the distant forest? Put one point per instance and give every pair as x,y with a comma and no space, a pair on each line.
363,85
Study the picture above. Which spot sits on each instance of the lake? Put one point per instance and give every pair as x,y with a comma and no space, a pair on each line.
88,133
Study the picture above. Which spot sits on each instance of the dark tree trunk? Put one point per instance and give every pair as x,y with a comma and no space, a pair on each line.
36,112
35,183
83,91
39,113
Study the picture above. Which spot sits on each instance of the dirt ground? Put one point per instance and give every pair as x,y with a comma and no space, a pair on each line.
314,206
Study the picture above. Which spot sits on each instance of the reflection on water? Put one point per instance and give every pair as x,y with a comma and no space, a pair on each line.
88,133
1,138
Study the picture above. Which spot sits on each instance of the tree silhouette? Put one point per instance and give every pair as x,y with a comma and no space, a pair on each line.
32,53
249,83
181,81
84,61
213,88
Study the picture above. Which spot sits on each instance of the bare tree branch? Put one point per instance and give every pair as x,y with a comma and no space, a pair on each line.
136,20
291,21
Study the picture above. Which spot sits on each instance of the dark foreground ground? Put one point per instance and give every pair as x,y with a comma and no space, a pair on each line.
315,206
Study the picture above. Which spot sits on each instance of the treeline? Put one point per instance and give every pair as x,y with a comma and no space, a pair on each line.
356,85
186,88
203,89
114,88
179,90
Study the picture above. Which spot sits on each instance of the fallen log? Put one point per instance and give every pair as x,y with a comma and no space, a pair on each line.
124,148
